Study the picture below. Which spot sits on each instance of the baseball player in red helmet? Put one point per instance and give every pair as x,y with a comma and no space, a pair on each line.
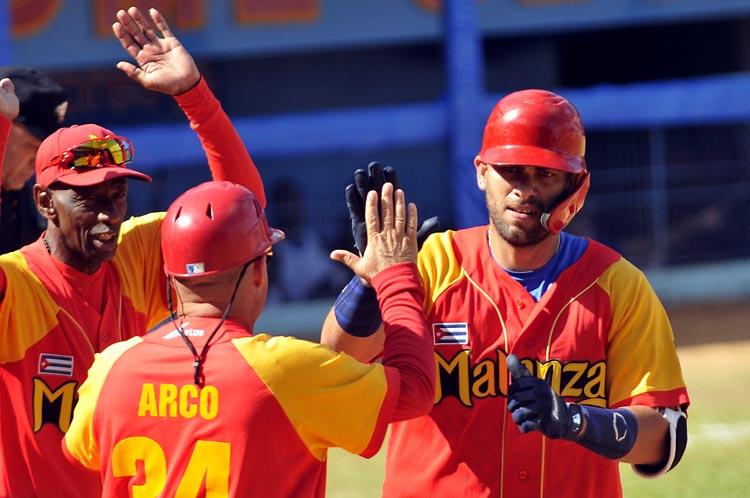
93,278
555,358
203,406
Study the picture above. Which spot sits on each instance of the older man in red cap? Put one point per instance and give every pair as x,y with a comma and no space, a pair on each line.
92,278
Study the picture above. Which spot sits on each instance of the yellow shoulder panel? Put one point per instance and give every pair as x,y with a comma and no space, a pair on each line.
139,263
27,312
642,357
331,399
438,267
79,440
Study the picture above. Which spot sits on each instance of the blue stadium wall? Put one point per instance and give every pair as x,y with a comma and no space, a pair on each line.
670,160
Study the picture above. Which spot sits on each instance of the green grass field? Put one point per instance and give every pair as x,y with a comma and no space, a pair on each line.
717,461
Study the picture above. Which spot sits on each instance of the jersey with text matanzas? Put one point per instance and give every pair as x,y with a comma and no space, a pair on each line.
599,335
48,337
260,426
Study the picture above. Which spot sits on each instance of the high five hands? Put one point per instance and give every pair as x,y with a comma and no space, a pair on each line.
391,232
163,64
373,179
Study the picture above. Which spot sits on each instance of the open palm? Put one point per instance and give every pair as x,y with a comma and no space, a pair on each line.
163,64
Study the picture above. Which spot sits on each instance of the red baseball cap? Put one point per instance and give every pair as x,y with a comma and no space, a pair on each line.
52,166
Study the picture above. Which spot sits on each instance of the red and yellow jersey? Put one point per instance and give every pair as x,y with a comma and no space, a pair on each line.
260,425
48,337
49,330
599,335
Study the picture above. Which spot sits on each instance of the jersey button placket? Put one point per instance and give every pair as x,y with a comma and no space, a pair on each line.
523,475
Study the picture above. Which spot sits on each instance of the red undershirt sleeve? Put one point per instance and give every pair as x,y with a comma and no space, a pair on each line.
408,344
227,155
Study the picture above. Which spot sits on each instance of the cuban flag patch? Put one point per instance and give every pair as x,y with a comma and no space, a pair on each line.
450,333
55,364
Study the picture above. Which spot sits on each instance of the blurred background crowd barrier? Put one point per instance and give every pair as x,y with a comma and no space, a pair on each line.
317,88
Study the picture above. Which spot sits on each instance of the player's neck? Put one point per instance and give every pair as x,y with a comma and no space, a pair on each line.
527,258
212,310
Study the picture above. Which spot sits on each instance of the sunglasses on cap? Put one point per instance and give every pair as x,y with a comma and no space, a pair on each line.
97,152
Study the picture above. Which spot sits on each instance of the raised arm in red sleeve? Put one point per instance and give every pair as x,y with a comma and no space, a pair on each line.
408,343
227,155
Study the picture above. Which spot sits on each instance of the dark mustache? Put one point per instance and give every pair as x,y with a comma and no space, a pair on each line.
534,204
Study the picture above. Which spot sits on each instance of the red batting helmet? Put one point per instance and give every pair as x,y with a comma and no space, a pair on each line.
539,128
214,227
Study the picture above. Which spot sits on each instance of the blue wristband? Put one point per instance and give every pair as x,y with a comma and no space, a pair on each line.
356,309
610,433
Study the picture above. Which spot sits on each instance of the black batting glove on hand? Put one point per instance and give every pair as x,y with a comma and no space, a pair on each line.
535,406
373,179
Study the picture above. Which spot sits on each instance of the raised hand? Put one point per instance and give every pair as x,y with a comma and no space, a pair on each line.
163,64
391,234
373,179
9,105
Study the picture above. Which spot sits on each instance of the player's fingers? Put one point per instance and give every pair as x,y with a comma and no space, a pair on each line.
7,85
386,207
372,218
127,21
376,178
412,220
516,368
523,414
389,174
361,184
161,23
428,226
131,71
127,42
147,25
525,397
530,425
346,258
399,222
354,203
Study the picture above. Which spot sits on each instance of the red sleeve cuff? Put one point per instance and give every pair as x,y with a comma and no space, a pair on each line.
194,102
654,399
397,278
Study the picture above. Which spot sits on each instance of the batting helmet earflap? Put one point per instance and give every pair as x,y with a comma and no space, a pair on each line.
540,128
212,228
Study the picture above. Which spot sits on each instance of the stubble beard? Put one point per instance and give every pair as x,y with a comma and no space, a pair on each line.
514,235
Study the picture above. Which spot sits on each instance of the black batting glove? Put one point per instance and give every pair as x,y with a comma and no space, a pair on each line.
356,193
535,406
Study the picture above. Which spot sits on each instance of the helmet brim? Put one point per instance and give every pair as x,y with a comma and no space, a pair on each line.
529,155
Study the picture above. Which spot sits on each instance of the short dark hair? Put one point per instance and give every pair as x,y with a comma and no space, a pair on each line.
43,100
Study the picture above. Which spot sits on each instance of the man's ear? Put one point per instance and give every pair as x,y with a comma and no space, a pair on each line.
481,173
45,204
259,272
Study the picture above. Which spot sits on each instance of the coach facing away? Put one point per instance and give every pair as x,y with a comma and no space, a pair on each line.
555,358
204,403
